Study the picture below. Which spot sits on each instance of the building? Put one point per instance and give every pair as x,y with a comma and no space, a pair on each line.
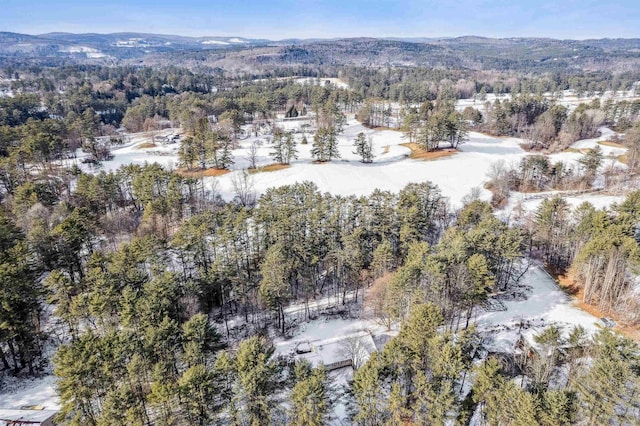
351,350
9,417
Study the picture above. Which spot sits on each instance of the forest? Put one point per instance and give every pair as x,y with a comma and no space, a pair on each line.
154,300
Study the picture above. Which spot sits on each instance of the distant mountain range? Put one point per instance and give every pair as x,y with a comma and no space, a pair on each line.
109,46
253,54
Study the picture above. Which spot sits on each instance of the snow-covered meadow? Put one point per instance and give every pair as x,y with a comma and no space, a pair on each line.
457,175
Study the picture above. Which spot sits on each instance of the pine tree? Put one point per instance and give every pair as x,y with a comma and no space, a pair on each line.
199,391
277,143
364,148
274,287
611,384
225,159
325,145
432,406
557,407
417,331
199,340
396,409
257,379
310,402
290,148
592,160
319,147
188,153
367,393
383,259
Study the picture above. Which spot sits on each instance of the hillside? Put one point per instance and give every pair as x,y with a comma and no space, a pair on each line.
236,53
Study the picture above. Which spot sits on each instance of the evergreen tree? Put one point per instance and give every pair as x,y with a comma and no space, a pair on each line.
310,401
188,154
289,148
366,389
277,144
592,160
199,392
325,145
274,287
257,378
609,387
364,148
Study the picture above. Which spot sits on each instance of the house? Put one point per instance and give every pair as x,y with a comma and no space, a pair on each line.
351,350
10,417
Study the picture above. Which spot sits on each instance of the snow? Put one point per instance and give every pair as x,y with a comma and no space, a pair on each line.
40,391
391,170
95,55
320,81
26,416
215,42
90,52
565,98
78,49
526,204
456,176
545,304
327,329
132,153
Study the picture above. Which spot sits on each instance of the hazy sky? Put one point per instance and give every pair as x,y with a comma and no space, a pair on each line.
277,19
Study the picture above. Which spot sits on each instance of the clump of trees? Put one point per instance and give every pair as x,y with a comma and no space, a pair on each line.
208,146
364,148
434,123
325,145
284,147
536,173
420,377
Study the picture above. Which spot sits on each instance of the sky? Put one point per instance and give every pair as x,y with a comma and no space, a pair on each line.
280,19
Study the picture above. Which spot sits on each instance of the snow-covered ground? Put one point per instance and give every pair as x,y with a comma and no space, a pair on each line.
391,170
520,203
567,98
18,393
545,304
321,81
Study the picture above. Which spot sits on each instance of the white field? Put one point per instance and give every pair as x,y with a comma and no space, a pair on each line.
456,175
566,98
23,392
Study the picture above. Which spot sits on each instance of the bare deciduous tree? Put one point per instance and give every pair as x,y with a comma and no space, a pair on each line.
244,189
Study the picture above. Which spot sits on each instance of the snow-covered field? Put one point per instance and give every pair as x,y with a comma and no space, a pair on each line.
546,304
391,170
567,98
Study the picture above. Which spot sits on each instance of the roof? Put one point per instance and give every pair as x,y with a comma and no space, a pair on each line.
338,350
28,416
